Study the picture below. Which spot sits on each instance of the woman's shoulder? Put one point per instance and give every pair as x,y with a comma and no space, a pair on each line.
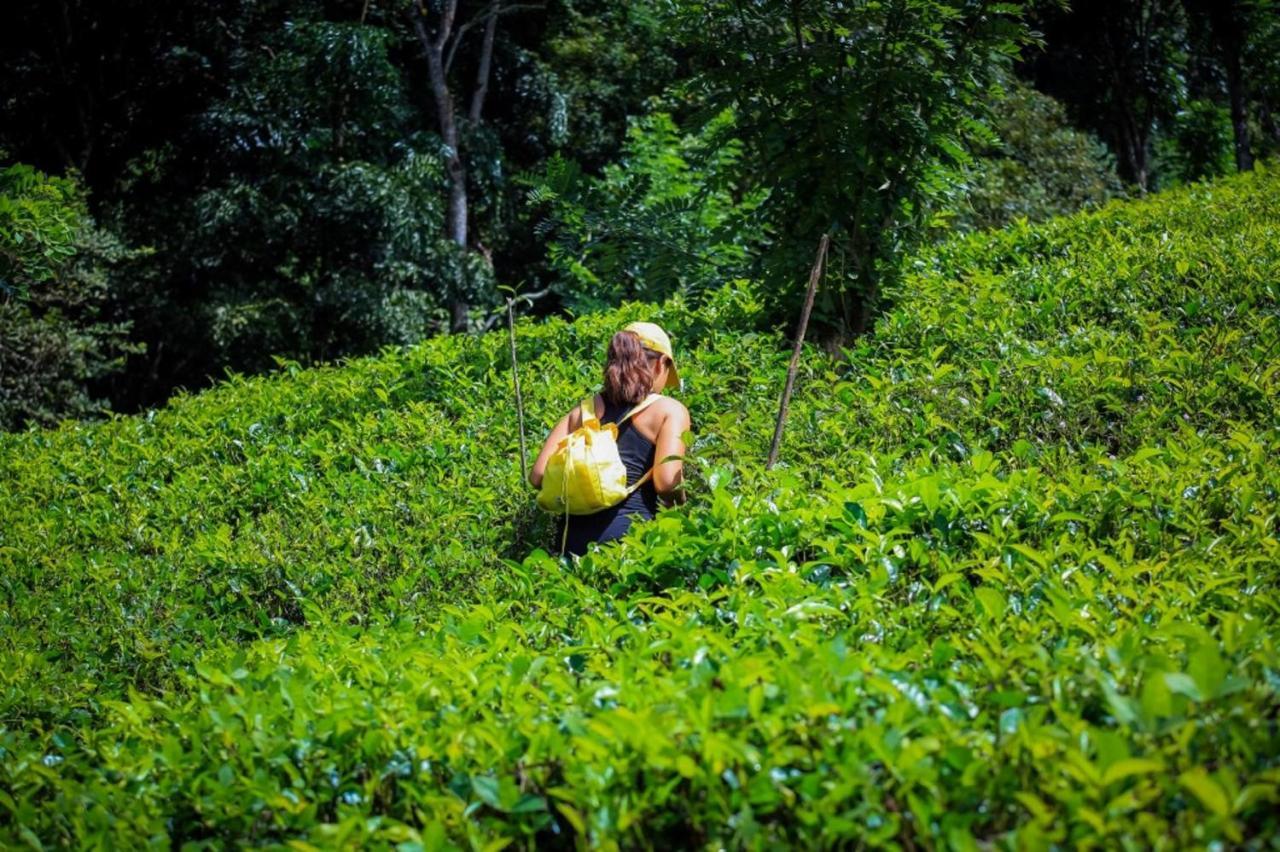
574,417
667,406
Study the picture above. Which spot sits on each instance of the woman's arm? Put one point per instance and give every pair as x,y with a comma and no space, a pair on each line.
669,449
557,434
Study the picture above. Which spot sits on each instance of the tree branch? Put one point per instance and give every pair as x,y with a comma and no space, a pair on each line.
486,57
529,298
446,23
484,17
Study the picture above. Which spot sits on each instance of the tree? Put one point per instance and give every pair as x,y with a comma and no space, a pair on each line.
1262,71
1226,24
1120,66
441,33
595,66
286,162
302,215
97,85
847,112
54,344
664,219
566,85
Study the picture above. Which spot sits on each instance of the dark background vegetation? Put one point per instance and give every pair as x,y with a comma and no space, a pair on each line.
190,188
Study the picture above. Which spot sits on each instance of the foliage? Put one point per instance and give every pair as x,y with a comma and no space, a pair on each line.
1157,81
281,157
1121,66
1262,59
53,341
1042,166
1197,146
39,219
846,113
665,219
320,232
1014,585
594,65
283,161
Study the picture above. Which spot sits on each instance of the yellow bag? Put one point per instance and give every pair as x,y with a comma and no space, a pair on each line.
586,474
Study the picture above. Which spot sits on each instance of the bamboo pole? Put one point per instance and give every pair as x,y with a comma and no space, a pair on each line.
515,381
819,264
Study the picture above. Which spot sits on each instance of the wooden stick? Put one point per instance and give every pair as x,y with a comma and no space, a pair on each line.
515,380
819,265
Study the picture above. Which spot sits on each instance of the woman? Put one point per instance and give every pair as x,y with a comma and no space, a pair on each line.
640,362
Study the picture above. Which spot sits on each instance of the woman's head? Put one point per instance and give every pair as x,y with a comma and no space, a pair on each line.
633,370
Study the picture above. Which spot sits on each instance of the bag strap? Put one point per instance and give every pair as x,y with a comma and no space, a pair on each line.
648,474
641,406
564,498
644,403
588,409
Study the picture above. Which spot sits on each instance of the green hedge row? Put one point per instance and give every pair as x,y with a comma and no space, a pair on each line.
1015,583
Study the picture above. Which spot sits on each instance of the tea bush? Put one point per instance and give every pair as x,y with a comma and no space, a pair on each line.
1014,585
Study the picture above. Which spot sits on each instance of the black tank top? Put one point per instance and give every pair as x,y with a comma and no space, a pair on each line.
637,454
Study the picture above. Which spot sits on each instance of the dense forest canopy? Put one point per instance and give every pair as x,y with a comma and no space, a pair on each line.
311,180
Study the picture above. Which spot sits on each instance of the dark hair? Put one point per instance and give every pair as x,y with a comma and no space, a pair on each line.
628,374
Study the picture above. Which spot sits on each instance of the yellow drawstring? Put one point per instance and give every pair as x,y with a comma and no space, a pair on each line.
564,498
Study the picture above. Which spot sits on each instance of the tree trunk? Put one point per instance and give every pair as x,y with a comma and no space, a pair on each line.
1130,135
1228,32
456,217
486,58
1135,152
482,88
1239,116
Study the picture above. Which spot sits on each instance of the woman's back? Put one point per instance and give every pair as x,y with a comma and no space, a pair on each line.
650,443
637,454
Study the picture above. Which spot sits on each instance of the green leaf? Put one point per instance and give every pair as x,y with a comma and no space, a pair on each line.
1208,670
1036,557
1181,684
1129,767
993,603
1207,790
486,789
529,803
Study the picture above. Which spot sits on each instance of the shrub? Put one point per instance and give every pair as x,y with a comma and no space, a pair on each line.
55,341
1041,167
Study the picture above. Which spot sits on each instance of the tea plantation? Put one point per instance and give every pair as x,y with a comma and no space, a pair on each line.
1017,583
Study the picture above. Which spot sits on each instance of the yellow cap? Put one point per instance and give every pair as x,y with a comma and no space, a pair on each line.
653,337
